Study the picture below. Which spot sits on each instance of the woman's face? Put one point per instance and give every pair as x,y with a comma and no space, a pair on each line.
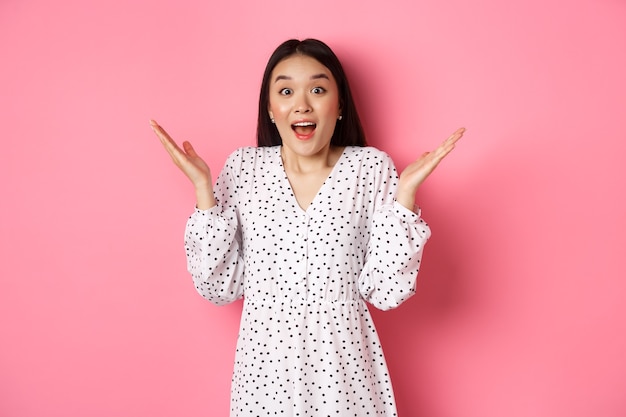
304,103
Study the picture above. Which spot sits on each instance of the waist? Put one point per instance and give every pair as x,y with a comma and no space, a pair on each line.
301,301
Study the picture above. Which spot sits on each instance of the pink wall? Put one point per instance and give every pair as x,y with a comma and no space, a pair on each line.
520,310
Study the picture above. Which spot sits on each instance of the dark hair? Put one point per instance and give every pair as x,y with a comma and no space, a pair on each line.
348,131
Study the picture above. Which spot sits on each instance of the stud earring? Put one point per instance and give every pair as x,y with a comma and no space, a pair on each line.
272,120
340,117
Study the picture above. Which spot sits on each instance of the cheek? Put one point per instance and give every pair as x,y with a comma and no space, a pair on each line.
333,106
279,107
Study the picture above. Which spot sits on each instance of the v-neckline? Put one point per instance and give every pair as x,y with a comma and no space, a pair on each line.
319,191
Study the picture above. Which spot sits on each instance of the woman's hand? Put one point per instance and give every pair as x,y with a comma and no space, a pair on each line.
415,174
192,166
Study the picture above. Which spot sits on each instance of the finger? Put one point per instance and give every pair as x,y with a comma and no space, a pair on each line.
172,149
453,138
442,153
448,144
167,141
189,150
160,132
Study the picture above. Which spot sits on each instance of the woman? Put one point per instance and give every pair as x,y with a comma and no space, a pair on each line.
308,226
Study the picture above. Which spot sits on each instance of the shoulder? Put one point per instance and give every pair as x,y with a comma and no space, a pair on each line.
368,155
250,155
252,152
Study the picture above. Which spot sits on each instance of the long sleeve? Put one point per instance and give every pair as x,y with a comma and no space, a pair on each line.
213,243
395,246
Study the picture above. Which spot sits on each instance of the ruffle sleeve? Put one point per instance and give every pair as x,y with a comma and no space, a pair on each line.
395,246
213,243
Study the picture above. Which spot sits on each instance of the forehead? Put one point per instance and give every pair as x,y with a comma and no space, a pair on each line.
300,66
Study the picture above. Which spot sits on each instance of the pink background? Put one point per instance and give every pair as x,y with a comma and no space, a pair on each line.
520,308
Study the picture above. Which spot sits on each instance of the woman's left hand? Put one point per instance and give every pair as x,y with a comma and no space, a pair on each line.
417,172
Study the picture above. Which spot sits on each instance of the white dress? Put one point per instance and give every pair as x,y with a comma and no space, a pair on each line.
307,345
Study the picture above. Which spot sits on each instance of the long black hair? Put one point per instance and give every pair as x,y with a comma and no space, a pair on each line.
348,131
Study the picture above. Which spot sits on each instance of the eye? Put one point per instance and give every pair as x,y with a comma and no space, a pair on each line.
285,91
318,90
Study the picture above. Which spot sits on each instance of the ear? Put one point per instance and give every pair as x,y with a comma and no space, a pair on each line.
270,114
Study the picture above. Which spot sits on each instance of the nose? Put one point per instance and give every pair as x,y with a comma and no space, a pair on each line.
302,104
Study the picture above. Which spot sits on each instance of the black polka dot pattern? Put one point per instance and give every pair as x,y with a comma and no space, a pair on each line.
307,345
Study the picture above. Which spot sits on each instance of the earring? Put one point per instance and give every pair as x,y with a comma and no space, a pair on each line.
272,120
340,117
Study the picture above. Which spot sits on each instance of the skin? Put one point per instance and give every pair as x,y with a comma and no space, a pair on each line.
302,89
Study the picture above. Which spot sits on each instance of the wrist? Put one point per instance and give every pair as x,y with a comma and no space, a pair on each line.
205,198
406,197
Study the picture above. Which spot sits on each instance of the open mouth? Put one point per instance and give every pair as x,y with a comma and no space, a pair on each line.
303,128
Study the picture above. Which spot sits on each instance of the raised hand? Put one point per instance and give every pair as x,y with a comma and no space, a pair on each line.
415,174
190,164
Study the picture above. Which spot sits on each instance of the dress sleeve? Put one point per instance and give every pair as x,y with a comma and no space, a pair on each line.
395,246
213,243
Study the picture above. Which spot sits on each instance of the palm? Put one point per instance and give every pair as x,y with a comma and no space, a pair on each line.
186,158
415,173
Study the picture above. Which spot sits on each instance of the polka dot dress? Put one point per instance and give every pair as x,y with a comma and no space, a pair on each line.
307,345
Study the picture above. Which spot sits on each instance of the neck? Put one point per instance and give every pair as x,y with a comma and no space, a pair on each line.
305,164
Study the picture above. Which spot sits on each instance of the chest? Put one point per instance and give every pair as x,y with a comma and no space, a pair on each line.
305,187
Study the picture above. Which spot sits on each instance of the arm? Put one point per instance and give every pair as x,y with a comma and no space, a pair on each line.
398,235
212,235
395,246
213,243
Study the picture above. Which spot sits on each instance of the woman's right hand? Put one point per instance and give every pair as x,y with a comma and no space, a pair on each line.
191,164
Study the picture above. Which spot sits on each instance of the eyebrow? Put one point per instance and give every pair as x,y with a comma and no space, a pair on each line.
313,77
